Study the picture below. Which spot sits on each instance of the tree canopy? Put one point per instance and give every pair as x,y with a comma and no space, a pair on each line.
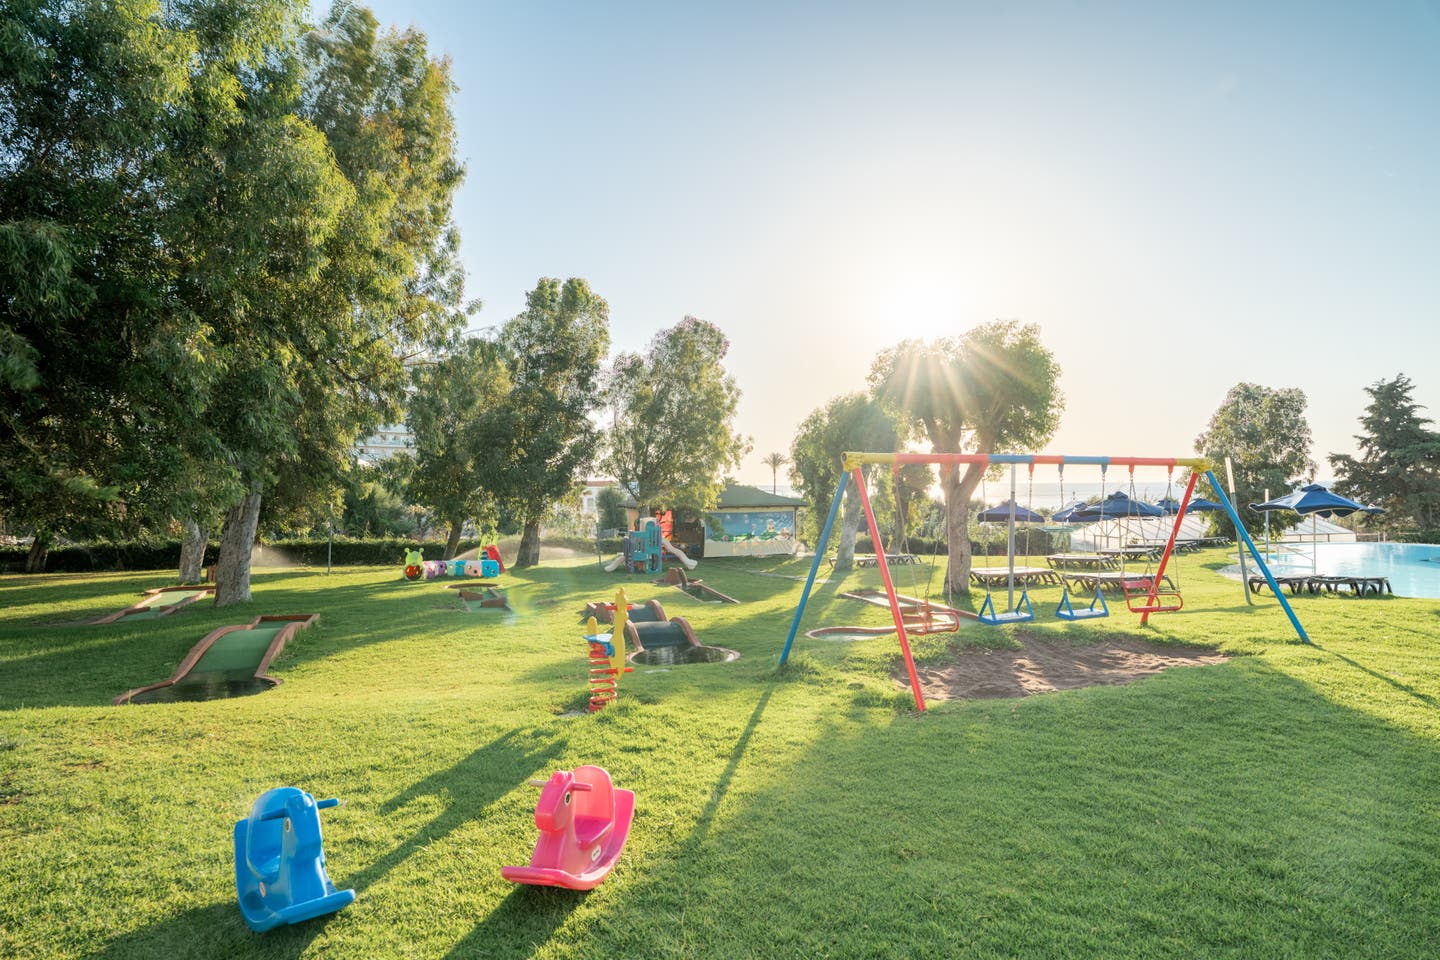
1399,463
1267,438
228,230
672,411
994,389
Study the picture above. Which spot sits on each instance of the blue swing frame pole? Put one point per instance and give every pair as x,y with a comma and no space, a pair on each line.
815,566
1260,562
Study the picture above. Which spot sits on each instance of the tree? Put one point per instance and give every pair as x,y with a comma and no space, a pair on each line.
553,349
774,461
1267,438
672,412
1399,463
461,425
610,505
852,422
992,390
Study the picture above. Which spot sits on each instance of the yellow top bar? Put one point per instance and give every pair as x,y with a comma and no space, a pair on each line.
852,459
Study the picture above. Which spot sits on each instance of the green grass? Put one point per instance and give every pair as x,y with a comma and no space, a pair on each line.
1283,804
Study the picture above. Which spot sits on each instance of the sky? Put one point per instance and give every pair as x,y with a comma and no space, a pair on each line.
1181,196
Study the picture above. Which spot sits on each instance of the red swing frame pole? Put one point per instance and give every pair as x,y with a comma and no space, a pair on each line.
884,566
1154,596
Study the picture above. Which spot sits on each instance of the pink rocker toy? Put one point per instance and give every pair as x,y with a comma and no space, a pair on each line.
584,822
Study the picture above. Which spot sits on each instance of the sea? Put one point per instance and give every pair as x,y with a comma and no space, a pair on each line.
1047,496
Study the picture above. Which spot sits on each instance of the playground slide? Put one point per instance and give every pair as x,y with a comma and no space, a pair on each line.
678,554
238,654
615,564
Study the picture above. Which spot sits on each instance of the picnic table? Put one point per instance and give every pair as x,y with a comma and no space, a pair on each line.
1092,580
1028,576
893,559
1081,561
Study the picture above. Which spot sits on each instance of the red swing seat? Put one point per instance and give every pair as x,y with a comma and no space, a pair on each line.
1142,595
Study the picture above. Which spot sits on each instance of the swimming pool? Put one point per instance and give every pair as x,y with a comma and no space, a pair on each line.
1413,569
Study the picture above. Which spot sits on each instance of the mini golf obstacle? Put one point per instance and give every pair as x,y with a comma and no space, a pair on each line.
481,596
584,821
648,612
160,602
229,662
672,643
280,862
697,589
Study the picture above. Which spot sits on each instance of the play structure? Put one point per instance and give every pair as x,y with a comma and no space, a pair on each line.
672,643
696,589
280,862
487,565
228,662
607,654
160,602
1145,594
643,550
584,821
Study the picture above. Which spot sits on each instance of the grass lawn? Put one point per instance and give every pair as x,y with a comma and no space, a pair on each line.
1285,803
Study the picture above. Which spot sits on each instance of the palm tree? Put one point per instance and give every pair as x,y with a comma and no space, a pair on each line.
774,461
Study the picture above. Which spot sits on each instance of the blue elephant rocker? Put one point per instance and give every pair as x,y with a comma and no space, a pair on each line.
279,864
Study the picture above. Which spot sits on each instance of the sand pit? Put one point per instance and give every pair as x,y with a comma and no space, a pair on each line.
1044,667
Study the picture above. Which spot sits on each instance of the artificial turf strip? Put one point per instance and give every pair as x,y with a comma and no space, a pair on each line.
1282,804
238,650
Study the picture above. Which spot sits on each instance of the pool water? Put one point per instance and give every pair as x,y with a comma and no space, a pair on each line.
1413,569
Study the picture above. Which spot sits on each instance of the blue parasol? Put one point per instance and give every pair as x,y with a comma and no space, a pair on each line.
1001,514
1067,514
1118,504
1313,499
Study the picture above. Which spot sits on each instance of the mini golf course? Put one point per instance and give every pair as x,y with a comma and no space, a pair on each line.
160,602
229,662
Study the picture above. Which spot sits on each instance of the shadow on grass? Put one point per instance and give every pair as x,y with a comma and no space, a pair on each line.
1404,688
214,931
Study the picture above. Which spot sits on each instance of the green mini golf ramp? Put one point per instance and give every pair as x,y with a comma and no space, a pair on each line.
229,662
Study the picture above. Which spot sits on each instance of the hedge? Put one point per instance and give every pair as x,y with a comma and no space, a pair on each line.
165,554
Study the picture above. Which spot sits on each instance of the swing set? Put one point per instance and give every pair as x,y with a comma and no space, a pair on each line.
1144,593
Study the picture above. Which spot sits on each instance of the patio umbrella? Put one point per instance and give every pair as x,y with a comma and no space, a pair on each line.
1201,505
1312,500
1118,504
1169,504
1067,514
1001,514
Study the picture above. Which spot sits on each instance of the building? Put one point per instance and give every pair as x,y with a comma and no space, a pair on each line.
387,441
745,522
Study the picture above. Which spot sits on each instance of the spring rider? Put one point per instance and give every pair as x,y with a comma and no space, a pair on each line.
279,864
584,822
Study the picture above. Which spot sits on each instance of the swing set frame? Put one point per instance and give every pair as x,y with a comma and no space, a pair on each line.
852,470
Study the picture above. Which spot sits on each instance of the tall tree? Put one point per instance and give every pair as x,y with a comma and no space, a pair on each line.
1399,463
672,433
774,461
1267,438
852,422
553,348
993,389
461,426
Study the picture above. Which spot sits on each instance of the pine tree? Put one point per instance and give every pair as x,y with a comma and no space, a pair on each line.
1399,463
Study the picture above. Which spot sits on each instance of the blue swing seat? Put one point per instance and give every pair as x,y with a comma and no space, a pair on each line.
1022,613
279,864
1066,611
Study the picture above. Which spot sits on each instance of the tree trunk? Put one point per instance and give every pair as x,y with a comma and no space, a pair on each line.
453,543
902,507
958,490
529,553
192,552
39,552
237,539
850,517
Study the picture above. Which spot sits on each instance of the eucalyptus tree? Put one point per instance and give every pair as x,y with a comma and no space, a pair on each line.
672,414
461,424
553,349
991,390
852,422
